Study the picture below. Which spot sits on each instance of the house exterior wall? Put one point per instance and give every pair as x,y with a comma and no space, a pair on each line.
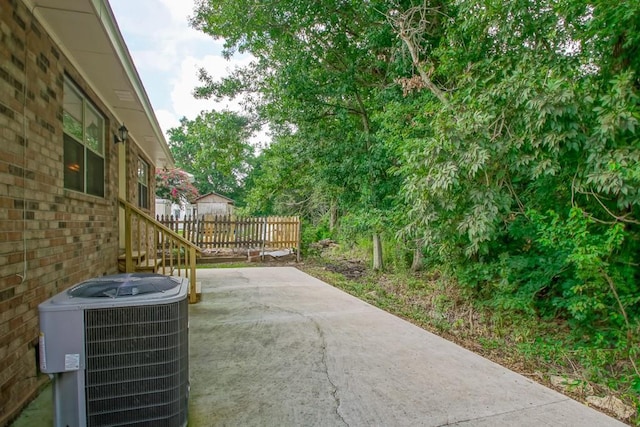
50,238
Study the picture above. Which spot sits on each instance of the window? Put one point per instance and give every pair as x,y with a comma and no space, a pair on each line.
143,184
83,143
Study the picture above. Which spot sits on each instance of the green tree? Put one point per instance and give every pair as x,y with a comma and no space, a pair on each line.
214,147
321,69
537,120
500,136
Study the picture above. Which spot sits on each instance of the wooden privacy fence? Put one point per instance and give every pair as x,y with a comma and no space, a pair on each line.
227,231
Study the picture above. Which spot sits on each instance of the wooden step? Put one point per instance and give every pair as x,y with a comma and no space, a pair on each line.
137,257
155,266
134,254
142,264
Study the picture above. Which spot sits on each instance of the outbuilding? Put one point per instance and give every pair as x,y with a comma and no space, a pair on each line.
214,204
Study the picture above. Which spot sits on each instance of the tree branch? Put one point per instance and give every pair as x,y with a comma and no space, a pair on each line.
410,26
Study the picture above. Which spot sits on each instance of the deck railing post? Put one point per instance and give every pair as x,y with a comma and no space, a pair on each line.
193,297
128,241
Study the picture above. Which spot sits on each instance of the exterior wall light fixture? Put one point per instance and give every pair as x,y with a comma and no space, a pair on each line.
122,135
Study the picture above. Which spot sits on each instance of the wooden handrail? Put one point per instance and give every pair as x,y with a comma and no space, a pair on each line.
153,237
158,224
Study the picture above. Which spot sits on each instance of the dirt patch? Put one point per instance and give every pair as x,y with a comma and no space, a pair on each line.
351,269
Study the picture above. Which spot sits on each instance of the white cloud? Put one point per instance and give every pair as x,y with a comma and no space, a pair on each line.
154,59
167,120
180,10
185,80
158,41
168,53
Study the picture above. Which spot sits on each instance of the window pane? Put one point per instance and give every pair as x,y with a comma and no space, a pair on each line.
73,164
84,143
72,114
143,196
143,172
95,174
94,130
143,184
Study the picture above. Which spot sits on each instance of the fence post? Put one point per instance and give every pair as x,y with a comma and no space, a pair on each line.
264,238
299,240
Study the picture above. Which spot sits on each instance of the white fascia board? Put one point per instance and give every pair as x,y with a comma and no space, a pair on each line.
107,18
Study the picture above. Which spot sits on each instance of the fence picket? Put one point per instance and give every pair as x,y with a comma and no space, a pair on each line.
226,231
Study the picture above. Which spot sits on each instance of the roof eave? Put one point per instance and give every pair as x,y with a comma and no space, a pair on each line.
109,69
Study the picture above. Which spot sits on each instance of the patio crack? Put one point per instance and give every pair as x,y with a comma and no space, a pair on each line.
334,392
325,367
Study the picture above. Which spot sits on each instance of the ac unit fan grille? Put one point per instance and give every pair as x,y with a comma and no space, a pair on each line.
137,365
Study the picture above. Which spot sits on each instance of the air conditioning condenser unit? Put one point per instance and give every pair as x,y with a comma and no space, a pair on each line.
118,350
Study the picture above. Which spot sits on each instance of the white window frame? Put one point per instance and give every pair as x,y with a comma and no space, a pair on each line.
143,181
93,146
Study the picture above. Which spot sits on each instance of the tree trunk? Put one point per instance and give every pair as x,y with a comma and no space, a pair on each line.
333,216
377,252
416,264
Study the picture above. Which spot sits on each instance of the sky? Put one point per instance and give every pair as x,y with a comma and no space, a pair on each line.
167,53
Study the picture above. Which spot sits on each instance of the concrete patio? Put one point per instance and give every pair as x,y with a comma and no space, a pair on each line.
272,346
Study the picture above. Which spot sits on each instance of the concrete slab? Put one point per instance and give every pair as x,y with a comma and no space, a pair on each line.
275,347
39,413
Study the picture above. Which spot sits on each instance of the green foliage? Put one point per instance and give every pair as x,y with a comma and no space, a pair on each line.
312,233
396,255
543,118
598,293
283,182
500,137
318,75
214,147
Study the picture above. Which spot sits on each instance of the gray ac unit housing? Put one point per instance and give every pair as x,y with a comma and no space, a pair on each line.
117,348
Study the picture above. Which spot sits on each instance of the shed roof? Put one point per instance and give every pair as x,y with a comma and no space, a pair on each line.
226,199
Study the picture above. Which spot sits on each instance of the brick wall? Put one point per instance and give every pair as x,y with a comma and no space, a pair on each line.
133,154
50,238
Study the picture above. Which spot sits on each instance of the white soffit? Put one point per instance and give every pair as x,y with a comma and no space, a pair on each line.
86,32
